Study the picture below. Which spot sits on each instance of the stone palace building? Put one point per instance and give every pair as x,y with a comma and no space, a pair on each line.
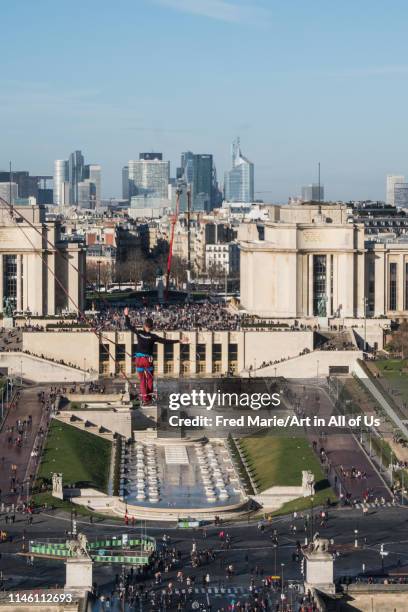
35,277
314,261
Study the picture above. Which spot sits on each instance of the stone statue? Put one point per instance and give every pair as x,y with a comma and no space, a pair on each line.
308,482
320,545
57,490
7,308
78,547
321,307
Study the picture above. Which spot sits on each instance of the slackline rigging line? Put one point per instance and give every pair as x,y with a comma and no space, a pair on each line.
99,335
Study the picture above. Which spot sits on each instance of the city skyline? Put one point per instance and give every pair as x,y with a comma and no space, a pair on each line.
316,99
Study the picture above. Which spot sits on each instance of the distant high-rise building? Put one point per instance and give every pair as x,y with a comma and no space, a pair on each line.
197,171
125,183
93,173
9,191
75,174
392,179
28,186
151,156
67,176
86,194
401,195
60,179
313,193
202,184
239,181
187,163
149,177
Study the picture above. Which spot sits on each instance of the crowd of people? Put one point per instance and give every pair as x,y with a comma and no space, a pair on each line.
204,316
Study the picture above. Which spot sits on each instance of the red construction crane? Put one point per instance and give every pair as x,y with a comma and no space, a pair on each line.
173,222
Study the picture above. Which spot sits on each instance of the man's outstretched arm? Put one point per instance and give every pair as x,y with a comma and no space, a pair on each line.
182,340
128,322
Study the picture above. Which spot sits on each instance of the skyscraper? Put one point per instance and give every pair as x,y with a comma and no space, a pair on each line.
197,170
313,193
149,177
93,173
75,174
401,195
187,162
125,182
392,179
239,181
202,184
67,176
86,194
9,191
60,178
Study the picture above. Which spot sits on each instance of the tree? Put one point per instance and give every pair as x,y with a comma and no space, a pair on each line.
399,340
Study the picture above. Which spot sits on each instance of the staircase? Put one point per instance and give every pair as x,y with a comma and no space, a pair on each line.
84,425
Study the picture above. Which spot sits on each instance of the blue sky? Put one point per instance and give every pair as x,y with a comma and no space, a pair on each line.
300,81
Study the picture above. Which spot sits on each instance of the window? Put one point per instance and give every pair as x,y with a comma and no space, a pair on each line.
319,286
233,358
216,358
120,365
393,287
104,355
10,281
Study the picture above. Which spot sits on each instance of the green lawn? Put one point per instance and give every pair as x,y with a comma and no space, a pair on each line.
82,457
279,461
395,371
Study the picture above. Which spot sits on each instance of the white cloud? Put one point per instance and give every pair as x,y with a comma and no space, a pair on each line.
221,10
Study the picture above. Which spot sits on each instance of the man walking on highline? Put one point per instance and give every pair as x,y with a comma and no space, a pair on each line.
146,340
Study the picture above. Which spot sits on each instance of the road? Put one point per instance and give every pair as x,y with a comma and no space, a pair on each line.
252,552
19,454
341,447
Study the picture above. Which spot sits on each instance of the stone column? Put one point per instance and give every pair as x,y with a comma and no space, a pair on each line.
193,352
380,293
224,351
241,350
160,358
51,283
310,283
400,283
208,352
128,348
176,359
328,284
19,283
335,284
361,284
73,280
1,282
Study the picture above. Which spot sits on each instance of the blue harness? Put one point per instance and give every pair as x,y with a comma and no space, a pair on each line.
146,369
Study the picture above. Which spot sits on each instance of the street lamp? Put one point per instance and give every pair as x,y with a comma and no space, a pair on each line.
383,554
312,519
365,322
282,593
275,548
